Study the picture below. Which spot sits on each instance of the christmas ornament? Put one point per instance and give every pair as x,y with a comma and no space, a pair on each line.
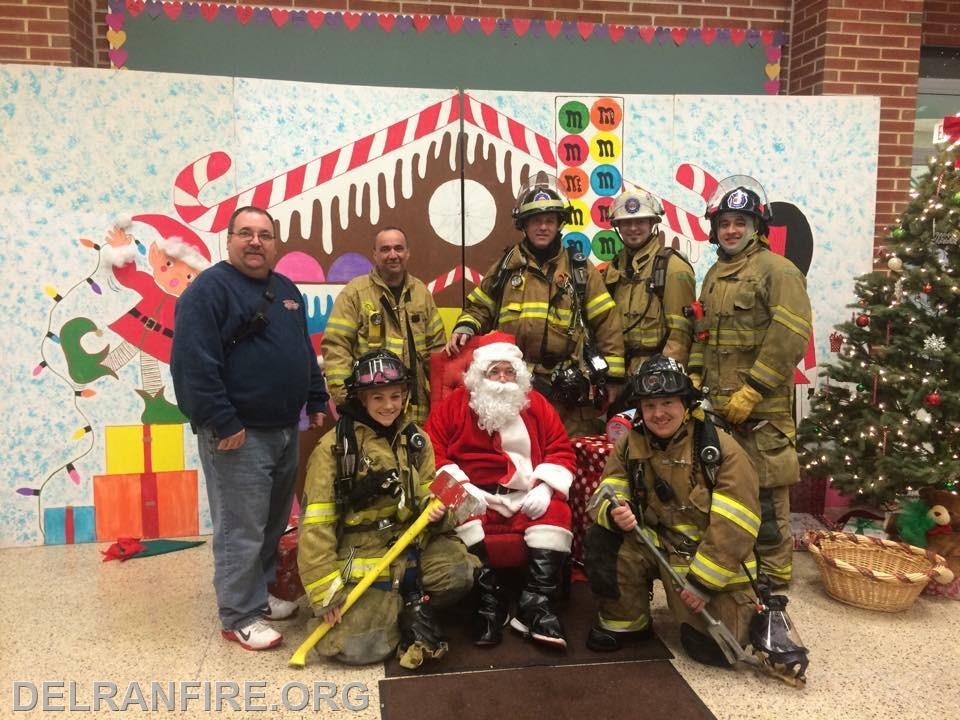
923,416
955,199
933,345
895,264
927,288
863,320
836,340
861,387
933,399
899,233
848,351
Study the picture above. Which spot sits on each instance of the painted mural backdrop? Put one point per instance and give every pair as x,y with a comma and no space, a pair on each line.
95,447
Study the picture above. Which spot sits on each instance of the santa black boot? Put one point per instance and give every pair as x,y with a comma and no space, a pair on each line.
535,614
490,610
420,634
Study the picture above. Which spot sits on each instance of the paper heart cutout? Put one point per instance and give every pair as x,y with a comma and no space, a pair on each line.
615,32
585,29
244,14
209,11
421,22
771,87
118,57
172,10
115,20
707,35
737,35
753,37
488,24
116,38
369,21
154,8
455,23
767,37
693,36
648,33
773,54
190,11
553,27
678,35
135,7
520,27
351,20
280,16
404,23
315,18
386,22
772,70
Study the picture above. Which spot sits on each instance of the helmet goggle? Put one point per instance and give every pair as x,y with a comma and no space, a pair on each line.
380,371
662,383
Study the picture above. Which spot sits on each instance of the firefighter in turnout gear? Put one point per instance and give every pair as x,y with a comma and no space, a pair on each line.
693,490
755,327
387,308
367,481
553,301
650,283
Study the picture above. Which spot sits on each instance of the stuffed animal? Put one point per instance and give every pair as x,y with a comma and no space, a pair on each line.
914,521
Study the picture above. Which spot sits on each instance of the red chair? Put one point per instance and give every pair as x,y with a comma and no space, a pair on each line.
506,549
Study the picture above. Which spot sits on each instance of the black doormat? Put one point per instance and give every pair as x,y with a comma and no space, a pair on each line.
649,690
577,615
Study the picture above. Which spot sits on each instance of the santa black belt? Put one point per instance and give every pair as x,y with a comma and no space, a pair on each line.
150,323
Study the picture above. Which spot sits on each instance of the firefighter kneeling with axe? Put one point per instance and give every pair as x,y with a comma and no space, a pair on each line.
679,500
369,496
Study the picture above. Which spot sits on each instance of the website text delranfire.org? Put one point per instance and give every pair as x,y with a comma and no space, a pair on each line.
187,695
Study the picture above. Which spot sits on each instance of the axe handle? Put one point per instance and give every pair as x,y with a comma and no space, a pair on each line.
299,658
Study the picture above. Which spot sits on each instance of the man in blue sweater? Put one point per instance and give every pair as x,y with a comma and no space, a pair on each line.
243,367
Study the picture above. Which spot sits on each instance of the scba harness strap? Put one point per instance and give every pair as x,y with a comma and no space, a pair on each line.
350,492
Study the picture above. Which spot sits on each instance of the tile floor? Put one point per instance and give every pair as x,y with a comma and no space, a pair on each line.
68,618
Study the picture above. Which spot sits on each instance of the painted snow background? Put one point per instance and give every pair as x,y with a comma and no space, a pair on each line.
80,148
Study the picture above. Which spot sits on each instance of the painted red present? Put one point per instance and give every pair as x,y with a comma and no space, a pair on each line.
592,452
146,505
287,586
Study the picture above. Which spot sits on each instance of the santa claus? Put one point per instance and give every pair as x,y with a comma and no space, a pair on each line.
507,445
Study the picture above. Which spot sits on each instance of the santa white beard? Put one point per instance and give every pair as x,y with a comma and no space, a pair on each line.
497,403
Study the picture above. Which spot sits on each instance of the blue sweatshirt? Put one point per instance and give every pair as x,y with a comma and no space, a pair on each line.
265,379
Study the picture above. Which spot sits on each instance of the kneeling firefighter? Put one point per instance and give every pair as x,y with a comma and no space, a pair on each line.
693,493
367,481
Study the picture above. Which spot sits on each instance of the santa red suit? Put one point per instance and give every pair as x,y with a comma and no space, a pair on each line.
530,450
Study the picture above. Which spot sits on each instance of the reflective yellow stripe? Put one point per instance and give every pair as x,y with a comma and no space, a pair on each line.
615,365
690,531
709,572
316,513
341,323
735,512
599,305
480,297
767,375
371,515
337,374
624,625
322,582
791,321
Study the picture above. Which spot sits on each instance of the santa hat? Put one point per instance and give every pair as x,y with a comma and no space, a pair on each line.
485,355
178,241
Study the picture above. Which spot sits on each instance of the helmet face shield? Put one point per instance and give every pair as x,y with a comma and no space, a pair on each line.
538,195
636,204
739,194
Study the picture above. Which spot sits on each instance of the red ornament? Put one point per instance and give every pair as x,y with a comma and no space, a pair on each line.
863,320
927,288
933,399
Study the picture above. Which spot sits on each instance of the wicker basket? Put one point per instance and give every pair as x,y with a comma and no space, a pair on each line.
871,573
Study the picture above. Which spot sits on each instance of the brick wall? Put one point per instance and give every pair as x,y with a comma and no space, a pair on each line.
941,23
865,47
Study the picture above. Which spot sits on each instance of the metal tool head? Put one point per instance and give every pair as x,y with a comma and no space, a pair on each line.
604,492
446,488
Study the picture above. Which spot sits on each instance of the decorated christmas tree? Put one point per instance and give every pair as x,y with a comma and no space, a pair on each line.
885,419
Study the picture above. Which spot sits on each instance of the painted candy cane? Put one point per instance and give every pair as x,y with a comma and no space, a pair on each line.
441,282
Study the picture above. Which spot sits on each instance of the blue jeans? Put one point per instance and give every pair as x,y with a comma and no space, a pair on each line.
250,490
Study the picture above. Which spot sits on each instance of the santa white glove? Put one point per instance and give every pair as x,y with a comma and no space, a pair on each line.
475,492
536,501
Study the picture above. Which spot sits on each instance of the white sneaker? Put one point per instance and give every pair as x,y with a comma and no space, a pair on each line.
256,635
280,609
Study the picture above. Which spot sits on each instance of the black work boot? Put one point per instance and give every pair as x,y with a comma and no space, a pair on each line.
535,614
420,634
600,639
702,648
490,609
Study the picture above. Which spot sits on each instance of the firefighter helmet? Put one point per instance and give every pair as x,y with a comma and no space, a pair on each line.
636,204
538,195
742,194
661,376
376,368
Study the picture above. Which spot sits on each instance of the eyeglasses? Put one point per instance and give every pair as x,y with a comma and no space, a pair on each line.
380,371
662,383
508,372
246,234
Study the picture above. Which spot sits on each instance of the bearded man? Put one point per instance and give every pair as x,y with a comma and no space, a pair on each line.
507,445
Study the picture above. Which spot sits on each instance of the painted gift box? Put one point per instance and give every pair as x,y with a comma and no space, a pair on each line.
592,452
146,492
69,525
